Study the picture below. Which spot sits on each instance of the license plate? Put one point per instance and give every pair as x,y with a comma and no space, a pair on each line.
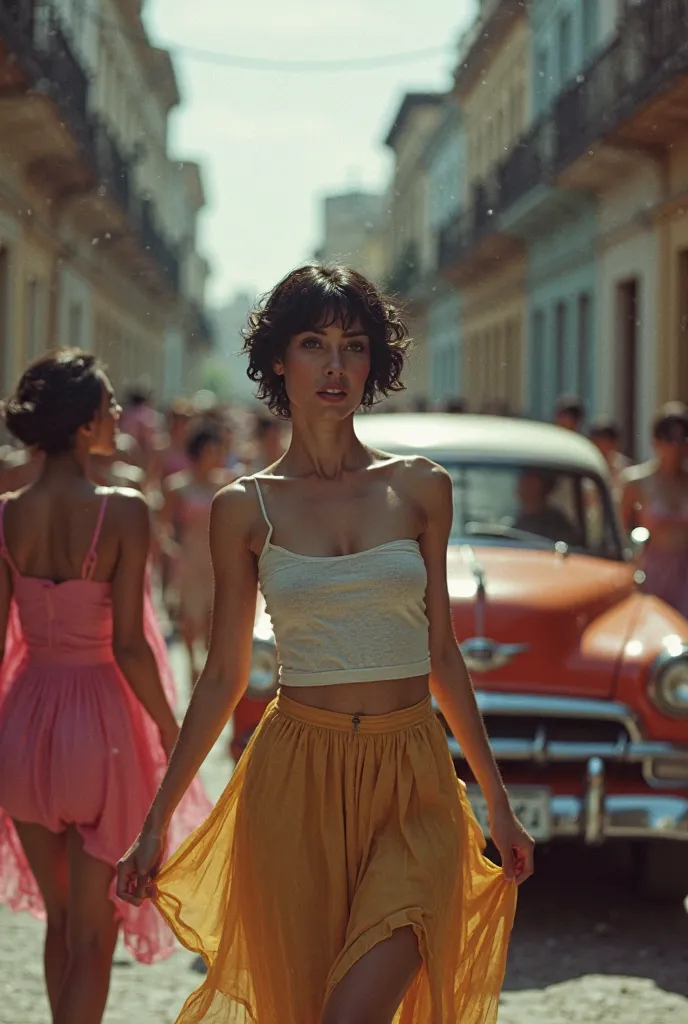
530,805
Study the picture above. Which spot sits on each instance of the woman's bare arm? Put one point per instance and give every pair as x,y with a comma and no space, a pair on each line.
449,679
225,675
129,644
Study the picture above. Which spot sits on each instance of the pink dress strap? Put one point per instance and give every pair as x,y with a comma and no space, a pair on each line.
91,558
4,552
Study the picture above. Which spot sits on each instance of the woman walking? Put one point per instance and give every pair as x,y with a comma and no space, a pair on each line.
655,496
185,520
340,878
85,728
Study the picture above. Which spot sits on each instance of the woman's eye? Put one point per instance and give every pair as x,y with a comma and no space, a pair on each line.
357,346
311,342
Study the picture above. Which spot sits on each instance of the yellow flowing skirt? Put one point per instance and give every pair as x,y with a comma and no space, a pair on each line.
331,834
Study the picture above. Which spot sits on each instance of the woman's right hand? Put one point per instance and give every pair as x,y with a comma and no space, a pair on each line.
138,867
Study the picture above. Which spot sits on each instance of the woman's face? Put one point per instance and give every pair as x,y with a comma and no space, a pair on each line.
103,437
325,371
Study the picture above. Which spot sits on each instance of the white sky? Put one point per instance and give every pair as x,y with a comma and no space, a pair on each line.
272,143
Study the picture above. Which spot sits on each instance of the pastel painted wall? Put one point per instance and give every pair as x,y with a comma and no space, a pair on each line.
444,347
566,36
561,288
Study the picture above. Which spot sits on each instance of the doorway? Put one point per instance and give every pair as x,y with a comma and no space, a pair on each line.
5,346
682,359
627,308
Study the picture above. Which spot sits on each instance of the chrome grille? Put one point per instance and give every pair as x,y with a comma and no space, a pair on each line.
544,729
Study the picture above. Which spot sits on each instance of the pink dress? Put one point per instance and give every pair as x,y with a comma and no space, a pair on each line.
76,746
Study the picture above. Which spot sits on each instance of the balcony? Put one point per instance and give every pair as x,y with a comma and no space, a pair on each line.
630,98
406,273
632,95
486,34
472,239
201,333
44,121
164,257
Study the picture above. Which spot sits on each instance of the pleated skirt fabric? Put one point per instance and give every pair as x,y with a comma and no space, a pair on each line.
331,834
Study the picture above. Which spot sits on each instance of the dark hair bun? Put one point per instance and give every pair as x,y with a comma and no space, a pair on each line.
56,395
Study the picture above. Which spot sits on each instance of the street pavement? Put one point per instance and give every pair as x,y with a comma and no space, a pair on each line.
584,949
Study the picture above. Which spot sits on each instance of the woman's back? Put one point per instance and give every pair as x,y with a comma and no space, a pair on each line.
65,616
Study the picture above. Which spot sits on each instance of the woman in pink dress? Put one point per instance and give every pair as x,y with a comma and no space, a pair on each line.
85,726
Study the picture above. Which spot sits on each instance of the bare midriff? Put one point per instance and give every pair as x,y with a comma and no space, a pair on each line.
379,698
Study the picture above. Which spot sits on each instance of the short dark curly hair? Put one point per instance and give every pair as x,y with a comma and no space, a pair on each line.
317,296
58,393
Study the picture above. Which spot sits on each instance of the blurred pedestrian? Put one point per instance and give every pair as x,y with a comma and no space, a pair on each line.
185,520
85,729
569,412
269,442
141,422
169,453
605,434
655,496
341,873
19,467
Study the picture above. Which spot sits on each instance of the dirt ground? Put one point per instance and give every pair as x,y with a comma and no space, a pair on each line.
584,950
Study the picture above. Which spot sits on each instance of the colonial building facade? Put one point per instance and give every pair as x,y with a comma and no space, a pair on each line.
97,221
565,254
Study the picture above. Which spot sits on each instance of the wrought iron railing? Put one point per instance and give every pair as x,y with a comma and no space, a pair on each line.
648,52
153,242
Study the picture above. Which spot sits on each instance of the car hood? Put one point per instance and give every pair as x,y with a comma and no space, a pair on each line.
542,620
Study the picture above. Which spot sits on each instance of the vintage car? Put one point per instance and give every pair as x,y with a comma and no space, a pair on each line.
581,678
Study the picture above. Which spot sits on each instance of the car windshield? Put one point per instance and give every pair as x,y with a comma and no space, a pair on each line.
532,506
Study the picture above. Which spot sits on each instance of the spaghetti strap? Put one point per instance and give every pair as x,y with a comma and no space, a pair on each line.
91,558
265,515
4,552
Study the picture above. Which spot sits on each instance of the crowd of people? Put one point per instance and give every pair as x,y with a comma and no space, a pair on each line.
652,495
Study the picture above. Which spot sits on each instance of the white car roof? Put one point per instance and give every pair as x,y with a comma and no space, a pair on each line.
470,438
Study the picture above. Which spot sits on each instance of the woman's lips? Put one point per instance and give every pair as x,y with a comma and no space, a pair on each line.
336,395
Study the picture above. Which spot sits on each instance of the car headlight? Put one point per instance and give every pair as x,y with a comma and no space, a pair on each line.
669,683
263,673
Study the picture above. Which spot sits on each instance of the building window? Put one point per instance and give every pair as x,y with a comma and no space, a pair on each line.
541,85
537,364
565,50
682,375
627,361
590,27
584,344
560,348
76,317
34,319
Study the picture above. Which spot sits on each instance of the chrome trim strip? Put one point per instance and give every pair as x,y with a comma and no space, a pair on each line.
565,750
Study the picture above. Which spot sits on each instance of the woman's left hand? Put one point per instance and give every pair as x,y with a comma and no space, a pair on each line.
516,847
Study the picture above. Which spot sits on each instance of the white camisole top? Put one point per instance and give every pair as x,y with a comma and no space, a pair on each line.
346,618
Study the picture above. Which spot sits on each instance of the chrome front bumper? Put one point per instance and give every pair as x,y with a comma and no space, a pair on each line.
593,815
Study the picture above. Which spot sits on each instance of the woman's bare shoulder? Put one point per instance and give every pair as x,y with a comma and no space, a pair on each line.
237,503
421,474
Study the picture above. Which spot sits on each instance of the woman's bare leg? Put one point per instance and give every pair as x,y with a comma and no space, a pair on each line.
91,937
370,993
46,853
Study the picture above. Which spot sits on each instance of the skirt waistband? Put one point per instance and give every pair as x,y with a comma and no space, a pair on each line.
395,721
